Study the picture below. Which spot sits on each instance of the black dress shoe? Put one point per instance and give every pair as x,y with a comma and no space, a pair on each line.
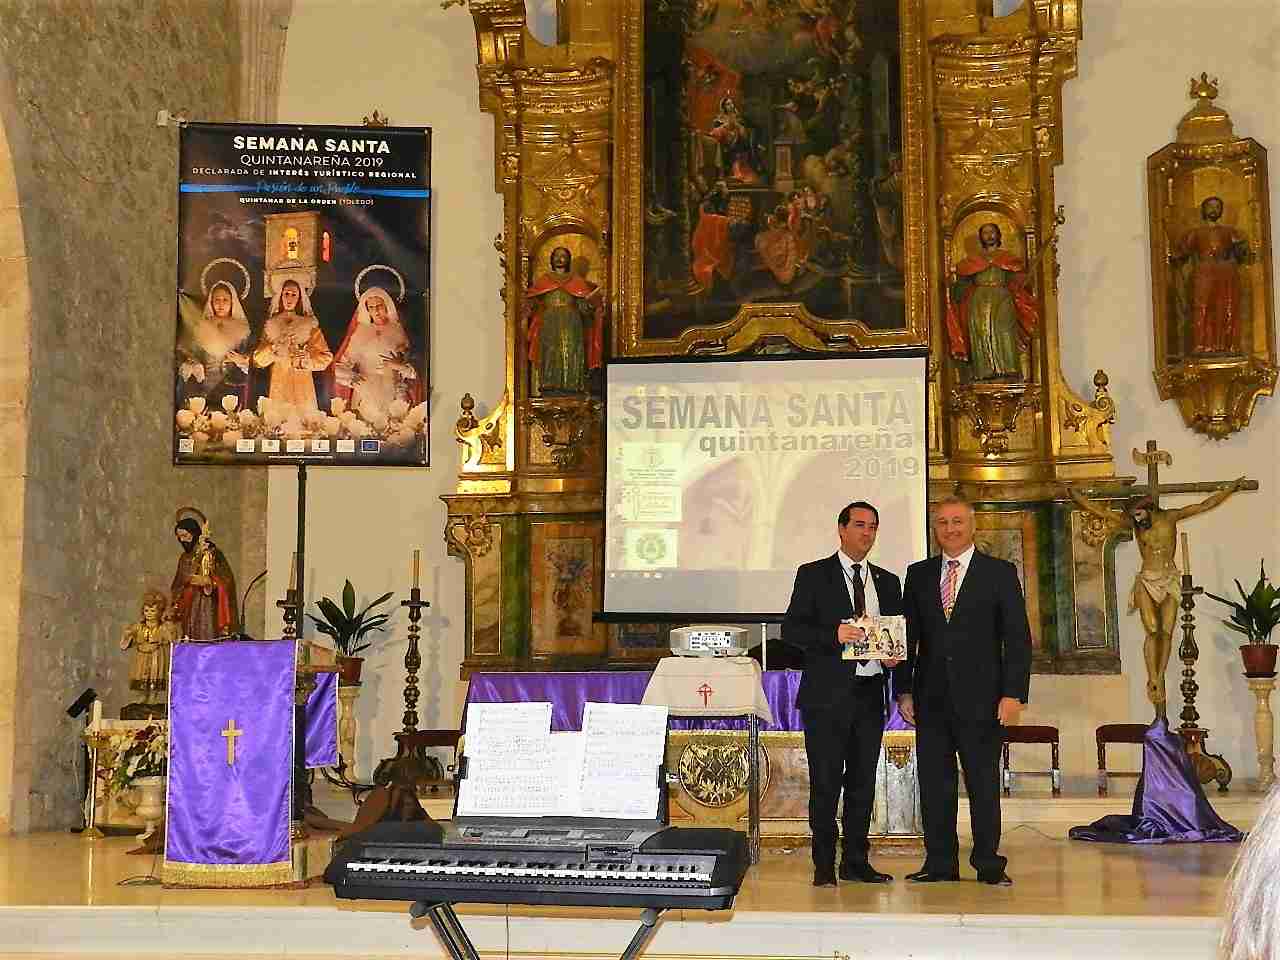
863,872
997,878
933,876
824,877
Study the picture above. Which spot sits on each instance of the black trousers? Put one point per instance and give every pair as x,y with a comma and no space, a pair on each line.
941,735
843,748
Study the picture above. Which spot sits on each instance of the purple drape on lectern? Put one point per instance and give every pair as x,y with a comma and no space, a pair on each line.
321,732
220,813
1168,805
567,692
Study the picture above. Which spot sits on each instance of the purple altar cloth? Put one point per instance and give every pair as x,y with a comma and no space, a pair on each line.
227,823
567,692
1168,805
321,728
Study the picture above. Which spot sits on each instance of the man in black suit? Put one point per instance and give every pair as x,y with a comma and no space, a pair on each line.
967,673
842,702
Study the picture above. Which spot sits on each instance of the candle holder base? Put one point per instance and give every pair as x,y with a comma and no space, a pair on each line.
412,766
1208,766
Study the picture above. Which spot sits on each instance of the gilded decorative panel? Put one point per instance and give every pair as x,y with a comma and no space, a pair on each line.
566,586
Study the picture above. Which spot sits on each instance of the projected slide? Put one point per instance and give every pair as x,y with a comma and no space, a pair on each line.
725,476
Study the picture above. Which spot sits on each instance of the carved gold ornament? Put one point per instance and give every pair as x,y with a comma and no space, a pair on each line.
714,770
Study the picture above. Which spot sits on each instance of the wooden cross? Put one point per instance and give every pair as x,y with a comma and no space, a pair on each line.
1152,458
230,734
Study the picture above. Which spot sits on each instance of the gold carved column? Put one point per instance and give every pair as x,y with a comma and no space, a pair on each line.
526,517
1010,427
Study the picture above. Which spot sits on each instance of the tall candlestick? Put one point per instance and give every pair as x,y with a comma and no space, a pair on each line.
1186,557
415,567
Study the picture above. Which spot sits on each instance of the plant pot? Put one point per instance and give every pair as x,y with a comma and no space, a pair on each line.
349,670
1259,659
150,804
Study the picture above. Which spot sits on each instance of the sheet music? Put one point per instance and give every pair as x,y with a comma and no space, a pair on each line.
566,767
623,745
508,774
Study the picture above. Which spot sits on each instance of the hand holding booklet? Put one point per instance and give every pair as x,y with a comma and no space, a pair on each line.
883,638
517,767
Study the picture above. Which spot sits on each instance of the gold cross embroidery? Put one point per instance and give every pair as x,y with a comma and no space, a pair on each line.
230,734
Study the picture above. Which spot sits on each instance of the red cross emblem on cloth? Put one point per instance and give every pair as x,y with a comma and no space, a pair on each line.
706,692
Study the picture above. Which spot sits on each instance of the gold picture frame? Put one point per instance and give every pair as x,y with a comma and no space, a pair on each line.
763,324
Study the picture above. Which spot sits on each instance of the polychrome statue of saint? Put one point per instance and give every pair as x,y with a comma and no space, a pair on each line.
1209,301
204,588
150,639
565,316
991,315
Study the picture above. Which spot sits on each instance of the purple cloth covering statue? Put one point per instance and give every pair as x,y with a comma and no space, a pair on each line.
1168,804
322,722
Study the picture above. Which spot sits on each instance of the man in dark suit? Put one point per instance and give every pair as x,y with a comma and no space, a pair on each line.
967,673
842,702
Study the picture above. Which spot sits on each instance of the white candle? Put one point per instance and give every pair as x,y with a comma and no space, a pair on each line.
415,569
293,572
1186,557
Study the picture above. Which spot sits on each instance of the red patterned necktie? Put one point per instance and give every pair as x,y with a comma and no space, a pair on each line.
949,587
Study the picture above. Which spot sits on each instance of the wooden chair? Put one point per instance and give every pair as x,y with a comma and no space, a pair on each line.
1116,733
1030,733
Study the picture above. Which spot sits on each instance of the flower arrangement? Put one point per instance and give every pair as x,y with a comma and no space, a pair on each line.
130,755
398,425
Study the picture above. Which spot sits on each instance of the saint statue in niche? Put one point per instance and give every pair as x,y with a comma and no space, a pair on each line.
1206,281
991,315
204,588
565,317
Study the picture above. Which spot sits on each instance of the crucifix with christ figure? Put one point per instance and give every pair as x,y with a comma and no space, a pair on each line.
1157,588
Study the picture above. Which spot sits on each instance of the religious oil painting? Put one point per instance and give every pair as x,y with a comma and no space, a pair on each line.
303,295
774,165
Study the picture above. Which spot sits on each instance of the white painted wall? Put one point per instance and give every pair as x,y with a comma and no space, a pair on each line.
1135,62
417,64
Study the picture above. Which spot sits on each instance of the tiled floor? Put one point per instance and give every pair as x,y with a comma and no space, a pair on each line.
1053,876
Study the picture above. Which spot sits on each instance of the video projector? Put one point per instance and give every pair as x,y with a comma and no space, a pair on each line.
710,640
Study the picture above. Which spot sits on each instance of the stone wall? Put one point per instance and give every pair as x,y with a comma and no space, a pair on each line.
82,81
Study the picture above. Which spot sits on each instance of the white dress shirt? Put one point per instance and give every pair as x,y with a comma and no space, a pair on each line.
871,668
965,559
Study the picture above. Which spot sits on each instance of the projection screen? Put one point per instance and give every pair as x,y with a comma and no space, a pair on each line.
724,475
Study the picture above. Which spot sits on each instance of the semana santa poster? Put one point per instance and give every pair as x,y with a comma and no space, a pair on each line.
303,295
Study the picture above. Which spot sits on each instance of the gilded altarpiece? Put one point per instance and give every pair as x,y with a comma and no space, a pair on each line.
676,185
962,123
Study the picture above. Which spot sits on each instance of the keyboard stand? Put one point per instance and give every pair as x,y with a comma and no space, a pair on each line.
459,946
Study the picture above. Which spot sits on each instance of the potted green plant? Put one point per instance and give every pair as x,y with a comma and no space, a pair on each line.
1256,617
349,629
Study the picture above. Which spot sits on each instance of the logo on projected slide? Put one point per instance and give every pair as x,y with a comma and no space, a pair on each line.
651,548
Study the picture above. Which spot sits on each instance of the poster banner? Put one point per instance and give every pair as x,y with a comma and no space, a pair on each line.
303,295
